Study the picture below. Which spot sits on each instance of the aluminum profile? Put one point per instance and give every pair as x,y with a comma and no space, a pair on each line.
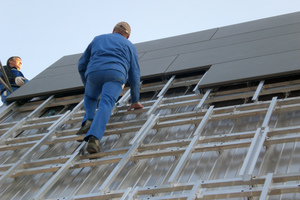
178,152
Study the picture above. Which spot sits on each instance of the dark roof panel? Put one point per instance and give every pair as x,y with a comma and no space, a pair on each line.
256,25
158,66
67,60
221,42
60,83
239,51
252,69
176,41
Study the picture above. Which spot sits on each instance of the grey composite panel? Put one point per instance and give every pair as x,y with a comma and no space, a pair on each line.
67,60
175,41
236,52
222,42
252,69
260,24
47,86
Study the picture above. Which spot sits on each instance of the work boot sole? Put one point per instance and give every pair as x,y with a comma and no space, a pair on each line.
92,146
91,149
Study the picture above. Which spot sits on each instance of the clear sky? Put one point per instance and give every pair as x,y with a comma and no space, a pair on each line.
43,31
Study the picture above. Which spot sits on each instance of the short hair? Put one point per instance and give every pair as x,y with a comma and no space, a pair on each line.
13,58
123,28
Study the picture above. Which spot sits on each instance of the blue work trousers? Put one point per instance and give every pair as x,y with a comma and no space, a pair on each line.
108,84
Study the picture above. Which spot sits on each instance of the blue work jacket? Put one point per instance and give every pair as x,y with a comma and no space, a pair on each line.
112,51
14,86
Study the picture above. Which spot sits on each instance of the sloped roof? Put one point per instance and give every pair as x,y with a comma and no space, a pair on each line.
237,141
247,51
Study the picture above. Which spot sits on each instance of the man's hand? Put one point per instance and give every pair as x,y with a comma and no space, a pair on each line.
135,106
20,80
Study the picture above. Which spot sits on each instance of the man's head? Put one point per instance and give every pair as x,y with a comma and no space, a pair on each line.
14,61
122,28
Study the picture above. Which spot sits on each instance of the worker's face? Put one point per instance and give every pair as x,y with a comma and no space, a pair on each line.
16,62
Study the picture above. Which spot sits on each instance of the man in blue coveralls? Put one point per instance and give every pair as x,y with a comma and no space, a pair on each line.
15,76
104,67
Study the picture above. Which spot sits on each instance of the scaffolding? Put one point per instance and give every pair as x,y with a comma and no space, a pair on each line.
233,142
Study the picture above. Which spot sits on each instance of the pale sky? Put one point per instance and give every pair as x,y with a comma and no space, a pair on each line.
43,31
